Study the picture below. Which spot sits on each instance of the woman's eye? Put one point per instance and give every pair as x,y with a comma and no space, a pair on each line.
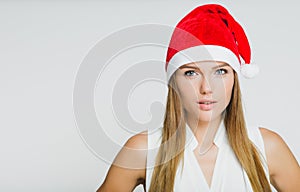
190,73
221,71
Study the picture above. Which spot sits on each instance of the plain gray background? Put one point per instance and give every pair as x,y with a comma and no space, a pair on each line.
42,45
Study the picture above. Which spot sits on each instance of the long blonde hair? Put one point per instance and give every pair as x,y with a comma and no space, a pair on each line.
171,150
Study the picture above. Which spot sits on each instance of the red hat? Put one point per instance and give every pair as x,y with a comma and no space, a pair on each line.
209,32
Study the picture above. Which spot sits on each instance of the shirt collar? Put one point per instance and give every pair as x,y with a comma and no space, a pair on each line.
219,139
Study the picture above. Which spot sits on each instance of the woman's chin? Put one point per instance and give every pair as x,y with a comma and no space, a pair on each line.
204,115
207,116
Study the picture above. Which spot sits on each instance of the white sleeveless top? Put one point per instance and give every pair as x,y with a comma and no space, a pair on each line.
228,175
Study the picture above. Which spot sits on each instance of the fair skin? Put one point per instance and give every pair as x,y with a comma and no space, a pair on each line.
210,81
195,84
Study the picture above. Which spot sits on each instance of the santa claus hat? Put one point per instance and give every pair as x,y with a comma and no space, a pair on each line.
209,32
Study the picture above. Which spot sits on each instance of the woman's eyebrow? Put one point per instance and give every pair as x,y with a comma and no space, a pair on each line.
193,67
223,65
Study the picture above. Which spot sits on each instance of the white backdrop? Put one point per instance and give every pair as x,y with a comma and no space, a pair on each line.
42,44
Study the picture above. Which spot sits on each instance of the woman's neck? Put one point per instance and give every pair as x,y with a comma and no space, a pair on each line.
204,131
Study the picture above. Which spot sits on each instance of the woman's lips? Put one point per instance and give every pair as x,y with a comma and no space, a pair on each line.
206,105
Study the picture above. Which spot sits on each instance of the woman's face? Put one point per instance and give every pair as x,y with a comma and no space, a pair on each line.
205,88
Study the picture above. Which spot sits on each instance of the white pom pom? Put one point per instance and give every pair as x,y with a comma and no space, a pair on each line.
249,70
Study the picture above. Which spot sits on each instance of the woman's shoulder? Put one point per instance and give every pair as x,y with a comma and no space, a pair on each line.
134,152
283,166
129,166
138,141
271,139
274,143
265,138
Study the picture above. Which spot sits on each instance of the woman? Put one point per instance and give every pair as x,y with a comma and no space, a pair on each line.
205,143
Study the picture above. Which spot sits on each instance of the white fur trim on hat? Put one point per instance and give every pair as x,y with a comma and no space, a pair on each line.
202,53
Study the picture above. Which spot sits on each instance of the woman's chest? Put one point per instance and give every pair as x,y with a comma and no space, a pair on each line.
226,174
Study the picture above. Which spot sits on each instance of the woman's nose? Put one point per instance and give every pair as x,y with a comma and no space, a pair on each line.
205,87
